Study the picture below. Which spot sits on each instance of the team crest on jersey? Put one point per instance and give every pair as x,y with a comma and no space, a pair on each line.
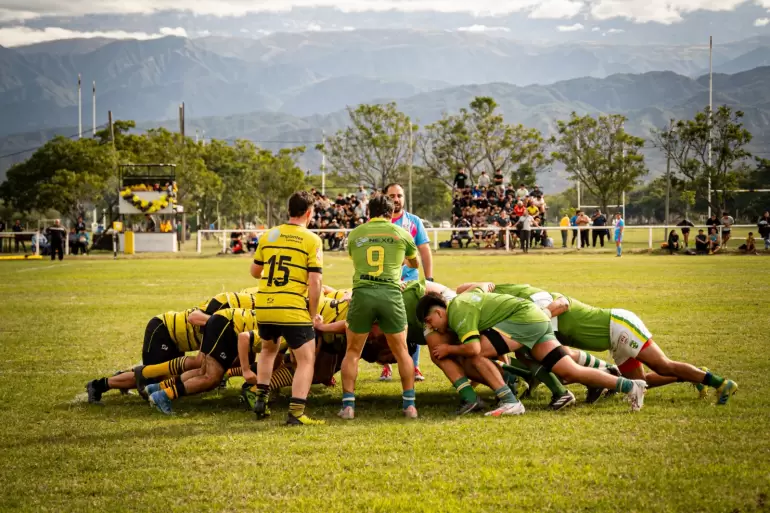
273,235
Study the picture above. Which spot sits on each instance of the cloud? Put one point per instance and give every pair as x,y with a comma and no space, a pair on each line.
761,22
483,28
556,9
660,11
20,36
314,27
570,28
595,29
168,31
615,31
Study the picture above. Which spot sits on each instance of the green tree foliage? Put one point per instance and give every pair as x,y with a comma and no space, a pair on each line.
600,154
374,149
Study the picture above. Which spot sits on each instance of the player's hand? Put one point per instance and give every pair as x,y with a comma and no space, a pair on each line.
347,296
440,352
318,321
402,285
250,376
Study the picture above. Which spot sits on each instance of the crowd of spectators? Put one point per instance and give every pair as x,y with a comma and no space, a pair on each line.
338,213
489,205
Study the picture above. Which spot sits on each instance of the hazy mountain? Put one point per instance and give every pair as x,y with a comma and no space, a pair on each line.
649,100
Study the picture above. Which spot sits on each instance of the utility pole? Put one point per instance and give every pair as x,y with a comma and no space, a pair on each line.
80,110
668,176
411,158
577,182
323,164
93,112
711,97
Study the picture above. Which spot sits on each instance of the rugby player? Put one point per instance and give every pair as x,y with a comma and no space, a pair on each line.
476,316
290,291
622,333
378,249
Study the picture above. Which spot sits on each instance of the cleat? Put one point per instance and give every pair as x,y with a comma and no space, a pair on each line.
594,394
303,420
248,397
223,383
700,387
347,413
261,408
94,396
557,403
532,384
728,388
161,401
636,395
613,369
476,406
506,409
410,412
151,389
418,375
387,373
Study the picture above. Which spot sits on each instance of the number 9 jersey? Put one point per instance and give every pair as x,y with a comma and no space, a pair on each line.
287,254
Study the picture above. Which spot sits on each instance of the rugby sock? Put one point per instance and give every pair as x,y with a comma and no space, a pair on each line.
619,249
297,407
234,371
167,383
408,398
281,378
505,394
176,389
171,368
465,390
713,381
550,380
348,399
589,360
624,385
102,384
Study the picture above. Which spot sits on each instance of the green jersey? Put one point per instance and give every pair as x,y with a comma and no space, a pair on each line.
415,329
378,249
582,326
474,311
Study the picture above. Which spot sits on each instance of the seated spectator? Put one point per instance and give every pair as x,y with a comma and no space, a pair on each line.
763,227
252,242
519,209
714,243
701,243
81,243
521,192
39,241
750,247
236,243
673,242
484,180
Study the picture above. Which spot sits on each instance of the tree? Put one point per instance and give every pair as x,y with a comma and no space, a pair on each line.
688,147
374,149
600,154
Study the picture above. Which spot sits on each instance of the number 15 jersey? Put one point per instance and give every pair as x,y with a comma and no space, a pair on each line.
287,254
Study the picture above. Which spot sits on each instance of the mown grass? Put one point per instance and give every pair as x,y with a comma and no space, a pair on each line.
63,324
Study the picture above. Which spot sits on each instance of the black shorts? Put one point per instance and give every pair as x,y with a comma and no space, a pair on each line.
158,346
220,341
295,336
685,231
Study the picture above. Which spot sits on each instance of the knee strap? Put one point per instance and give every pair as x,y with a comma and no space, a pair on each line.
496,339
553,358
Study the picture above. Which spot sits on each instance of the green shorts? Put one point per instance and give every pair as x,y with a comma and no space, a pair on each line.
383,305
528,335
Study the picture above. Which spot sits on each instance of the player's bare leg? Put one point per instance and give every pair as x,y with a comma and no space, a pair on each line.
349,371
397,344
264,372
300,385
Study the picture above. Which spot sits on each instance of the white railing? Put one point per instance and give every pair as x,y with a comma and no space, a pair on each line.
434,233
10,238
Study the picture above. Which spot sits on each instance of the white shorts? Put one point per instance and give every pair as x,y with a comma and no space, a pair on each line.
628,334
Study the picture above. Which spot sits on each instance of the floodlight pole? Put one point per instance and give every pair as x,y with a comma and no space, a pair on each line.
668,174
711,97
80,110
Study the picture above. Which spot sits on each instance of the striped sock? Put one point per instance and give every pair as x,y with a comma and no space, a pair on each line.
176,366
167,383
712,380
589,360
505,394
624,385
297,407
234,371
348,399
281,378
465,390
408,398
177,389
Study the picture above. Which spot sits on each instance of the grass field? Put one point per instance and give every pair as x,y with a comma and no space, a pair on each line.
66,323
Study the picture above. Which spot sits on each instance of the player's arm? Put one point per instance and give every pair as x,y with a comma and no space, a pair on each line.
411,251
337,327
469,348
198,318
423,245
245,341
259,261
486,286
314,279
328,291
557,307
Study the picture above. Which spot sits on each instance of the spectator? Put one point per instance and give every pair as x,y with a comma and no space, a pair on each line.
727,225
620,228
460,180
81,243
685,224
750,247
712,222
40,244
573,223
18,228
714,243
252,242
80,225
56,236
463,235
519,209
599,220
582,222
341,200
497,179
701,243
673,242
521,192
536,192
483,180
532,209
564,225
763,227
362,196
527,222
150,225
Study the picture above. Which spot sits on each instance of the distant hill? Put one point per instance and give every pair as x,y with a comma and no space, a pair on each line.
308,73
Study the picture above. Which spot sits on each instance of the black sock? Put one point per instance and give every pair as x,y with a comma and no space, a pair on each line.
262,390
297,407
180,389
101,385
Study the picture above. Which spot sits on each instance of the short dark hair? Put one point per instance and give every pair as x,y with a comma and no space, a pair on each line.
427,302
392,184
299,203
381,206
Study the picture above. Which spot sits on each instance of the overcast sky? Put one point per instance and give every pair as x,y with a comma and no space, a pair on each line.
26,21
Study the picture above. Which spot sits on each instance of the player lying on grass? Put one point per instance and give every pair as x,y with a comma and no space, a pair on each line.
622,333
519,324
219,350
167,338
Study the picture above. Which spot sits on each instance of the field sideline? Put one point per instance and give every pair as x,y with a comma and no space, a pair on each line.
64,324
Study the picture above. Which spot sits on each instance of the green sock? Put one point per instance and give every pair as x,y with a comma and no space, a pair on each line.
589,360
505,395
624,385
550,380
464,388
518,368
713,381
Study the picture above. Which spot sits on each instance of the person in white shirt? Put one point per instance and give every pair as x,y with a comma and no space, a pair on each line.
727,226
527,222
483,179
362,195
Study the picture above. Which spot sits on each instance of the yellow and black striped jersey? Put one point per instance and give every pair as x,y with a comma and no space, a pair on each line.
228,300
250,290
186,336
287,254
332,309
241,319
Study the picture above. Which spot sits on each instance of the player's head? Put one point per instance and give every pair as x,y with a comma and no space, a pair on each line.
396,193
431,309
301,206
381,206
618,215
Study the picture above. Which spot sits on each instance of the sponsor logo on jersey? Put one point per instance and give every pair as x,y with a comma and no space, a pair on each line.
361,241
223,355
164,347
623,338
